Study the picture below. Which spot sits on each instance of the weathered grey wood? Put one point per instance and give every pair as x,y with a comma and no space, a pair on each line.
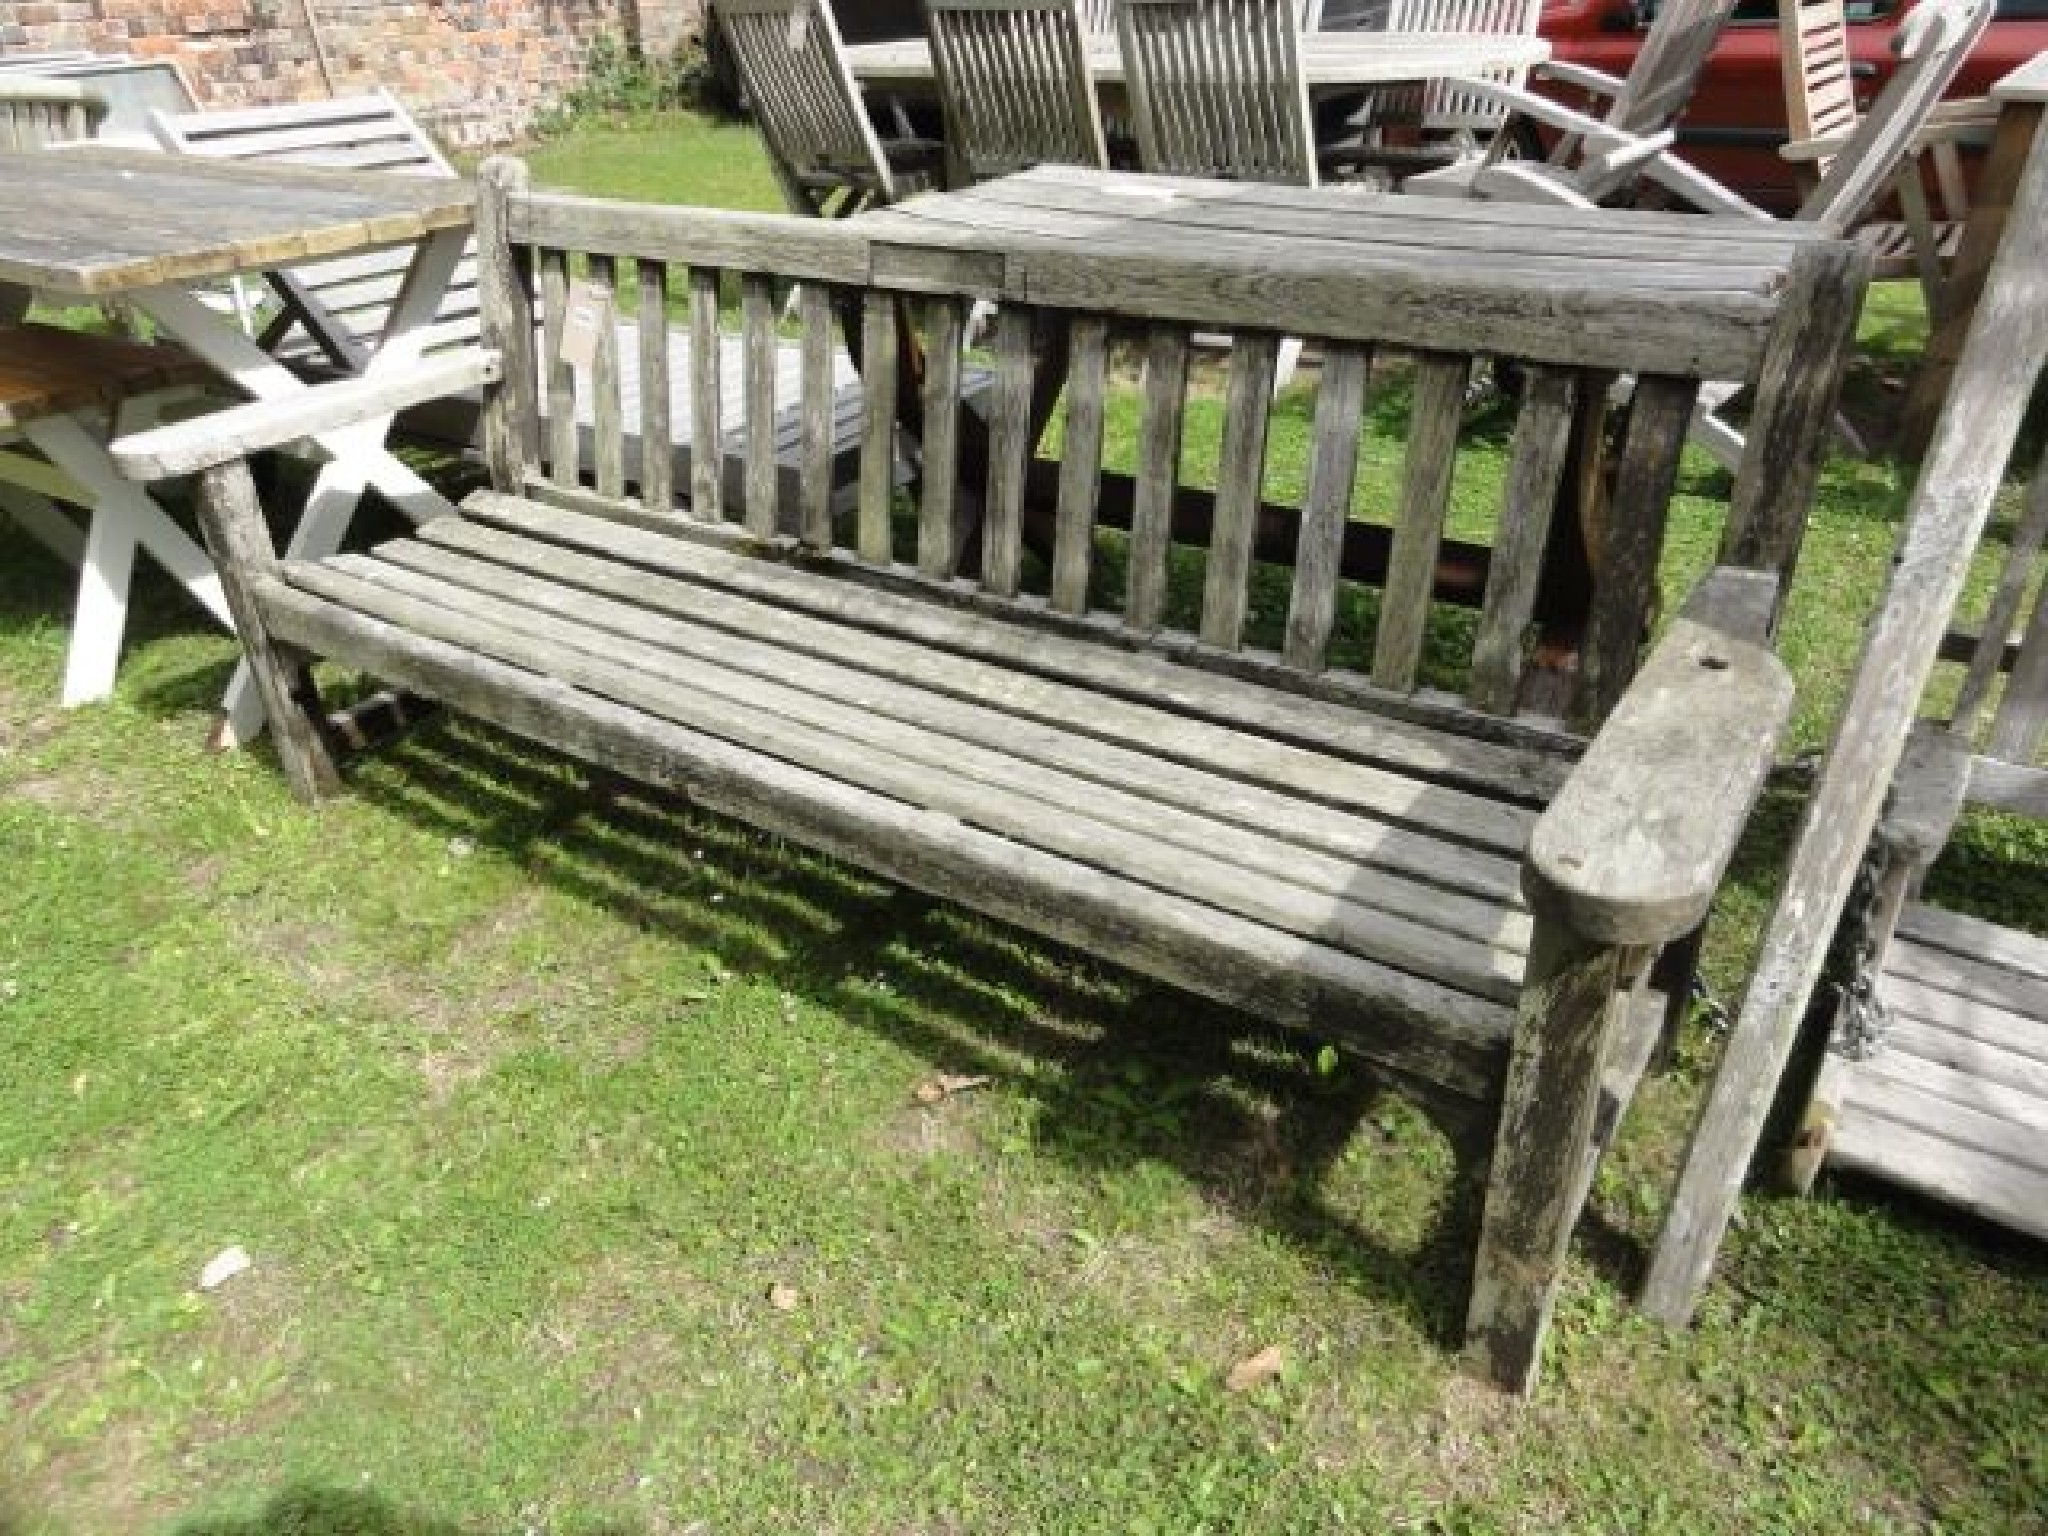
1217,88
1236,962
1634,846
1631,538
798,249
237,432
2005,947
1946,1097
1015,84
1536,467
1991,654
1080,465
815,476
1571,999
1958,483
1002,532
1798,384
609,467
512,412
1239,475
938,508
1326,506
1434,419
2021,721
1166,387
878,428
910,764
1067,732
757,334
707,482
1997,1188
558,377
1444,753
1927,794
657,464
231,521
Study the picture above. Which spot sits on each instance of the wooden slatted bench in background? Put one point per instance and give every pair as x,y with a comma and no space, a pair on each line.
1095,748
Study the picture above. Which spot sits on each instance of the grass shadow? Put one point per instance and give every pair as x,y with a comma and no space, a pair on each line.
308,1509
1240,1112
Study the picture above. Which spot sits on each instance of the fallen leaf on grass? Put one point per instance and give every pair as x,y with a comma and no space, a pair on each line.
783,1298
1255,1370
941,1088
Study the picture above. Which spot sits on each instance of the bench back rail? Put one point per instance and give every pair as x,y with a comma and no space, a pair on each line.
1389,636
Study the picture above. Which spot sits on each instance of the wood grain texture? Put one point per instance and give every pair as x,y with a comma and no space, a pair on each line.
1080,465
657,459
757,335
1434,419
1326,507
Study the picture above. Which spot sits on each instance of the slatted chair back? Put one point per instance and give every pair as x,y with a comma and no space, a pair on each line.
1217,88
792,66
1441,108
1385,627
35,113
335,311
1820,88
1932,44
1014,77
1098,17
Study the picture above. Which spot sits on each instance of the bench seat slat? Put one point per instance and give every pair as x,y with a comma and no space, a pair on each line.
1100,678
1302,841
678,672
1445,1037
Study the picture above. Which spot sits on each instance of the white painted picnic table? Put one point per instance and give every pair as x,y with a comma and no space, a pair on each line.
82,224
1331,61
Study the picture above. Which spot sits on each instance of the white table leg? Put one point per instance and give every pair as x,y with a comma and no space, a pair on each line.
358,458
123,517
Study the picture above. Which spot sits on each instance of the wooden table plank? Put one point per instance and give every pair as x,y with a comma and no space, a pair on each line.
95,221
1330,60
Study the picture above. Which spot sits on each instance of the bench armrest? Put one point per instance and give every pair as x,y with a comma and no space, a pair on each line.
205,442
1634,846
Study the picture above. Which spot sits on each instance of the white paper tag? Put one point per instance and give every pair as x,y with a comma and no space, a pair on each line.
589,312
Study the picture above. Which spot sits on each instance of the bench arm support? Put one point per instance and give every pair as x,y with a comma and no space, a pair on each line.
1626,859
220,437
1633,848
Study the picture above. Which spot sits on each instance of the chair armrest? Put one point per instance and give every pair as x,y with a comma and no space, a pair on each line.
1701,191
1804,151
216,438
1582,76
1927,794
1526,103
1634,846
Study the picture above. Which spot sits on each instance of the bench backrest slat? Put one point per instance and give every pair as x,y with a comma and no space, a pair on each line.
1181,540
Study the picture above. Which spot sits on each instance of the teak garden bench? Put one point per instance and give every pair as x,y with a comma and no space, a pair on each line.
1466,893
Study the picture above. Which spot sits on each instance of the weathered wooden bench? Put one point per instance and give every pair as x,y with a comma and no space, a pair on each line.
1360,855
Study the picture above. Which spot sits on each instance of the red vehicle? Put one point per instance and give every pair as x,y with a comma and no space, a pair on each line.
1736,121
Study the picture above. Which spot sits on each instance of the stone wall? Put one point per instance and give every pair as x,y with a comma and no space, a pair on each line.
474,71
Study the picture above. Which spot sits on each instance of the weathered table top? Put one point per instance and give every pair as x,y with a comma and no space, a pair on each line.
1680,289
2028,83
104,221
1330,60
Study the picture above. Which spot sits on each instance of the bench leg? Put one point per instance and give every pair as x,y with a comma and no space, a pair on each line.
232,520
1570,1001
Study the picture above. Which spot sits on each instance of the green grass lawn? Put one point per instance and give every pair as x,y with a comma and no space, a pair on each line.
575,1139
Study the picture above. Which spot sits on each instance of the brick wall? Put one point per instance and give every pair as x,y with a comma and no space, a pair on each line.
474,71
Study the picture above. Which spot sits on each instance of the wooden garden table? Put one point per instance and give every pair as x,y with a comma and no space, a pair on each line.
2022,99
80,225
1220,233
1333,62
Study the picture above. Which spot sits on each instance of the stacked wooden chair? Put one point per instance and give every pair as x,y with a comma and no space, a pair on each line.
1016,87
1217,89
1822,120
821,143
36,113
1597,157
1414,128
1946,1094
